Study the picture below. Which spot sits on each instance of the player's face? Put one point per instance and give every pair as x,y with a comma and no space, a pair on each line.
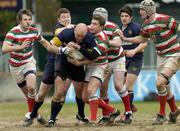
143,14
65,19
25,22
95,27
125,18
79,35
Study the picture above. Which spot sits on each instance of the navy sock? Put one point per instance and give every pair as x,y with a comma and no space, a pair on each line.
55,109
36,107
80,105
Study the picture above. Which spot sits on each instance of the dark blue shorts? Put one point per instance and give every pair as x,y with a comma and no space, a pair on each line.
65,70
49,73
134,66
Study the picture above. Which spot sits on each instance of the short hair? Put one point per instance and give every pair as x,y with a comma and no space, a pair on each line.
126,9
62,10
99,18
23,12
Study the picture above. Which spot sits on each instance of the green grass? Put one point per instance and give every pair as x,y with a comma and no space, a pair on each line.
11,113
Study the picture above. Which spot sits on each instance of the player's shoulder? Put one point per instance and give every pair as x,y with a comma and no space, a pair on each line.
102,36
31,28
89,36
68,31
15,29
110,24
134,25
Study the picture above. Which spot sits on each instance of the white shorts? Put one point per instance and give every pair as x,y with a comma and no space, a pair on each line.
95,71
18,73
171,62
117,65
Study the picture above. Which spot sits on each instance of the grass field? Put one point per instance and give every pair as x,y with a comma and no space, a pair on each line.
12,115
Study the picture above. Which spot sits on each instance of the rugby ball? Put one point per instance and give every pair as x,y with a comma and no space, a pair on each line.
76,55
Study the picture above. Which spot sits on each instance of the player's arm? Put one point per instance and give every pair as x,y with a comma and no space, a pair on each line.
90,54
55,46
136,39
116,42
8,47
79,63
139,48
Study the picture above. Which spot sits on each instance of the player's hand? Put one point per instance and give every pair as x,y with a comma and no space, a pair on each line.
120,33
74,45
130,53
25,44
74,61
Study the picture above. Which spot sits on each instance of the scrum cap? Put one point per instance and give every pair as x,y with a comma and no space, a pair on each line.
149,6
102,12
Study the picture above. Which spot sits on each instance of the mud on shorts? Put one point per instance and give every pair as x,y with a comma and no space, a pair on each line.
171,62
19,73
95,71
117,65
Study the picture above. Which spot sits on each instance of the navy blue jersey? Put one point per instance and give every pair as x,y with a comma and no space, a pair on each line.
132,30
67,35
65,69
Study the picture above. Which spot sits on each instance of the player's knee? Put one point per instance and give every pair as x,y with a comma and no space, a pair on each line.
162,81
39,97
31,89
57,97
158,84
85,98
90,91
118,87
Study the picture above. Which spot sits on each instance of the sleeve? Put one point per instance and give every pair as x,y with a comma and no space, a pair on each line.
101,47
90,40
9,38
172,24
144,33
56,41
59,39
114,32
57,31
89,54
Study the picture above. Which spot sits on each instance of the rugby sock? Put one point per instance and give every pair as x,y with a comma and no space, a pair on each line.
105,107
106,100
93,104
162,93
80,105
55,109
30,101
131,96
123,93
36,107
172,104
